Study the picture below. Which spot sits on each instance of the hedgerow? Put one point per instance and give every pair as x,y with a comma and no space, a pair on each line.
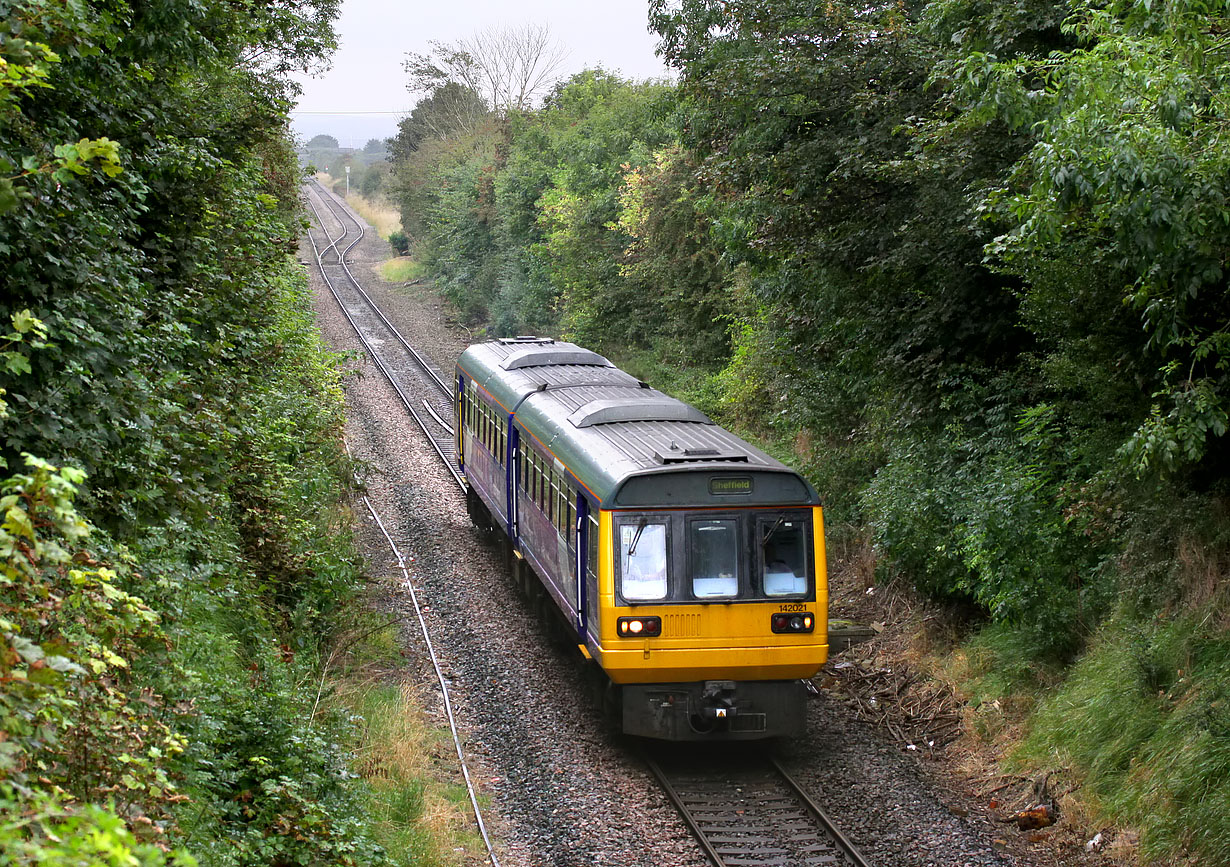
174,545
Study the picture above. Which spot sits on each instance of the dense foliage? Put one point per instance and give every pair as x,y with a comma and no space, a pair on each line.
964,263
173,556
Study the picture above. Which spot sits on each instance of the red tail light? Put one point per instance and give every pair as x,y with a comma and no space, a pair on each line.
801,621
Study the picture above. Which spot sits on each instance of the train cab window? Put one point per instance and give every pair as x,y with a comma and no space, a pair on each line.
713,558
591,544
783,551
642,561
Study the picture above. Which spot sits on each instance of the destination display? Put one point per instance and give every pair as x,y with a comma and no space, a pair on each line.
720,486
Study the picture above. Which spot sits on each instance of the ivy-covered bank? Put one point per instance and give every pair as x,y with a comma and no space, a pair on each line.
174,551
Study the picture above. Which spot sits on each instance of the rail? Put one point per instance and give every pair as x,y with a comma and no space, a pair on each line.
333,245
750,811
441,441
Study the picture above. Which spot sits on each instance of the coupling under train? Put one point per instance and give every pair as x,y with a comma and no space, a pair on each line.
689,565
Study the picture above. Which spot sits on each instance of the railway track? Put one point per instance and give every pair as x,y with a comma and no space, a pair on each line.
750,811
747,812
420,385
410,373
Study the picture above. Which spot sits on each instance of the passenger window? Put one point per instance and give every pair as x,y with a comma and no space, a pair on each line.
642,561
713,557
783,550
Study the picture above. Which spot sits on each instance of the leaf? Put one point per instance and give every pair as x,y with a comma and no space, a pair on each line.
24,322
26,649
8,196
17,522
15,362
64,665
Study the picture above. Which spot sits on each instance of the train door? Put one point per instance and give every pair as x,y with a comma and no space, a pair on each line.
562,508
580,550
512,477
460,416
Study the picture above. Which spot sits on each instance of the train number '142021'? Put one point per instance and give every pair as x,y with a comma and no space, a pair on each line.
793,606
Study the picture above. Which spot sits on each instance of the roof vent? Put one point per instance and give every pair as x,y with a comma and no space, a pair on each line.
659,408
692,456
524,339
544,356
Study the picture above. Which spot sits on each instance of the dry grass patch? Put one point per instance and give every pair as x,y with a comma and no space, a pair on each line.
381,216
418,814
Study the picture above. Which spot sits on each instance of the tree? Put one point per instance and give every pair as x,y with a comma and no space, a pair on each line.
1122,205
323,142
374,146
509,67
161,340
450,109
866,248
371,180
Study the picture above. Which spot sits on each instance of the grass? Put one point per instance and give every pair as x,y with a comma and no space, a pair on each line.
417,814
1143,723
383,218
401,270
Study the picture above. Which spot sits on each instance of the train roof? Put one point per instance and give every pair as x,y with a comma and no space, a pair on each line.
618,436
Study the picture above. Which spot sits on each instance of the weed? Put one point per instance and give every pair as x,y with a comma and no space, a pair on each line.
417,818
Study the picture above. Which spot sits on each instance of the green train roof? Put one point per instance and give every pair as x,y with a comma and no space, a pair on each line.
628,444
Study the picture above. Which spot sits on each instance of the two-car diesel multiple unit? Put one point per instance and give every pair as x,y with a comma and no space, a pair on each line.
689,565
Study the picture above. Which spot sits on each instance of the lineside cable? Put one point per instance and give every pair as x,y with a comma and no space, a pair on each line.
435,663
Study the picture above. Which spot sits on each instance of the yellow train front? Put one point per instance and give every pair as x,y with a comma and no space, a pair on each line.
687,563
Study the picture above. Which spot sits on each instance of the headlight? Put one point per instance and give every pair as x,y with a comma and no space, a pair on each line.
802,621
639,627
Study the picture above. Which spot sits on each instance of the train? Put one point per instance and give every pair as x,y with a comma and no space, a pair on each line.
687,564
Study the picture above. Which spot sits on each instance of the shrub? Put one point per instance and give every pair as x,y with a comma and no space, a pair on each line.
400,243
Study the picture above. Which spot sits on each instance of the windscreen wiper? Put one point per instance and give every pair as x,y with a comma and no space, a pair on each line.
640,528
772,530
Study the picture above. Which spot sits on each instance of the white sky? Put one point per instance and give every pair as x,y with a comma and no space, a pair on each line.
375,36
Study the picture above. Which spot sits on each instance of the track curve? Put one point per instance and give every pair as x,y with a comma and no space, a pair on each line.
420,385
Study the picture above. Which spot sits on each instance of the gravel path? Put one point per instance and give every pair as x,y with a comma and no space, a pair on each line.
562,791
